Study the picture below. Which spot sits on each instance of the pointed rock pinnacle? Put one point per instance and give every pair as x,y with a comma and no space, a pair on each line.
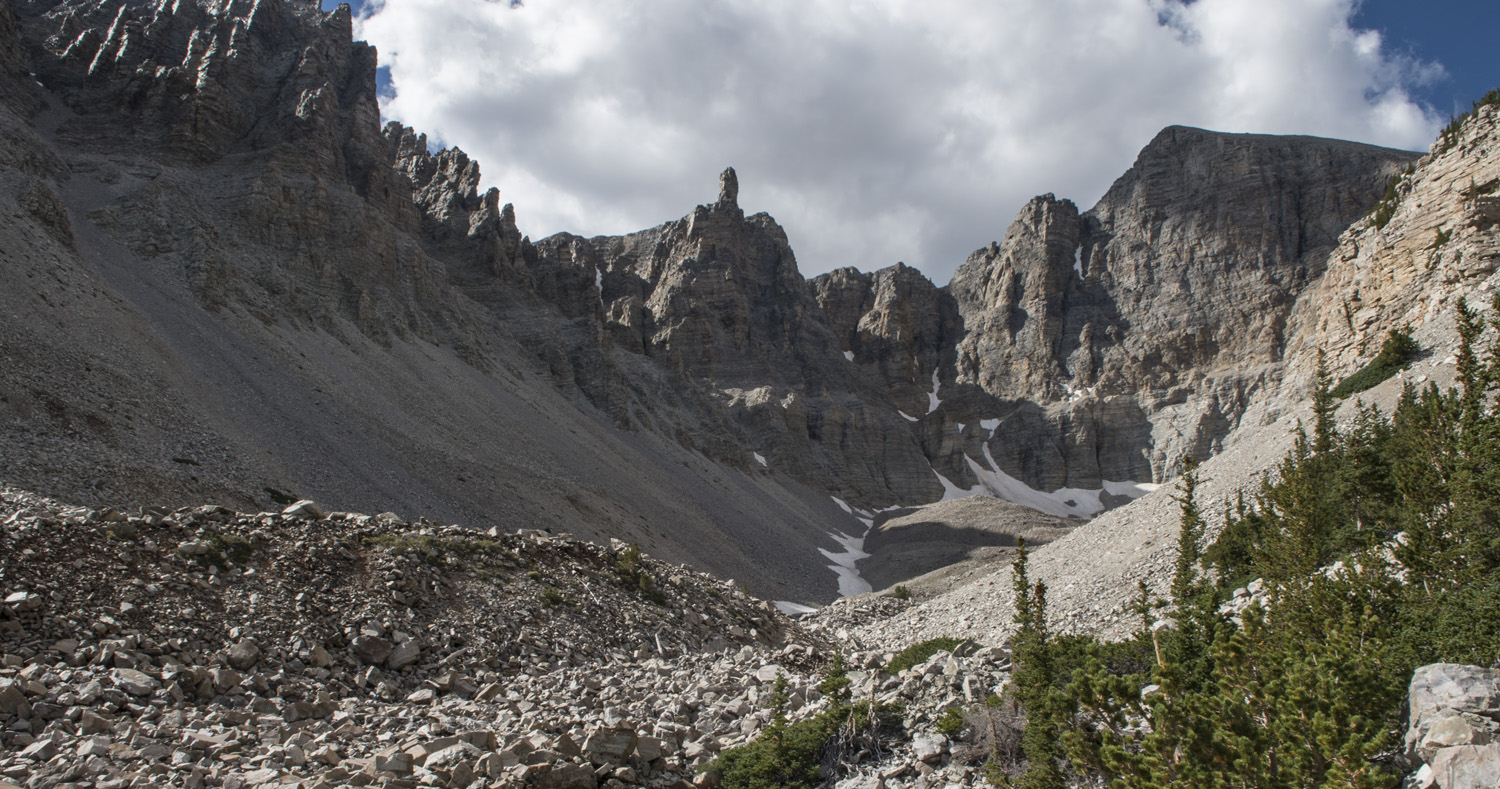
729,187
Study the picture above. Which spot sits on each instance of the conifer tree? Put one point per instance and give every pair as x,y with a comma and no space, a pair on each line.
1034,679
1324,408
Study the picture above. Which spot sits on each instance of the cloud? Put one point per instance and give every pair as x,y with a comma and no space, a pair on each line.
873,130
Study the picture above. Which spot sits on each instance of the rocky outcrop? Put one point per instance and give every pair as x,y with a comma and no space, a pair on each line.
16,89
1433,240
1453,723
201,79
473,231
895,324
716,302
1013,296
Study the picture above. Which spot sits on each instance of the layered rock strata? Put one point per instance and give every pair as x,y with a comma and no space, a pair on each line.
1434,240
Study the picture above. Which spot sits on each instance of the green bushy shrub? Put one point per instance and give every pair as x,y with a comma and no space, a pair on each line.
1396,352
917,653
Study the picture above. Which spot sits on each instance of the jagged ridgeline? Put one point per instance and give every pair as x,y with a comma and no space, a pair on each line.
225,278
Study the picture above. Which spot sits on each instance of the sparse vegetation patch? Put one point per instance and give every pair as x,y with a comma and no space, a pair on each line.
918,653
1398,350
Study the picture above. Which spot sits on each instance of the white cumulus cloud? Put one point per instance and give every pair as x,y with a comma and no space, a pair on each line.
873,130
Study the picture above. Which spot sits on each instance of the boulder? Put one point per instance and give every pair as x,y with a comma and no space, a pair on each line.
1467,767
452,756
136,683
1443,690
244,655
568,776
371,649
193,548
305,510
1450,729
929,747
13,700
610,746
23,602
403,655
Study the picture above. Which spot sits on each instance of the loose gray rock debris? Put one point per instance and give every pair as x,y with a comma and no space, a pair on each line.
206,647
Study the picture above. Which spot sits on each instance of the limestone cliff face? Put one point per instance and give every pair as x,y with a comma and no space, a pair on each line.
472,231
200,79
1161,312
895,324
16,89
1206,241
1112,344
716,301
1014,297
1440,242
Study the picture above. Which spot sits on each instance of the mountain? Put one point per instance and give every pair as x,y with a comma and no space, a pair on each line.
222,284
223,280
1432,243
227,281
1115,343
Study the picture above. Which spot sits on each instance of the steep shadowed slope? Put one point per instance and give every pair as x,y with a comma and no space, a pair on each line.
222,281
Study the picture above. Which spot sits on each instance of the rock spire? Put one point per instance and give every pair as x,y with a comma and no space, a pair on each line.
729,188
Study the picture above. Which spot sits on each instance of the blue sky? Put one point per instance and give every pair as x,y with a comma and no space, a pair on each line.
886,130
1459,34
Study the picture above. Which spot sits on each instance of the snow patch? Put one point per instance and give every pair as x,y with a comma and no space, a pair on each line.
1009,488
952,492
990,425
932,397
1133,490
793,609
1062,503
761,459
599,283
1078,261
960,426
850,582
908,417
1074,395
849,355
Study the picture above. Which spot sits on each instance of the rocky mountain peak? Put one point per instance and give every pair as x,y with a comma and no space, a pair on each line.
1013,297
1162,310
